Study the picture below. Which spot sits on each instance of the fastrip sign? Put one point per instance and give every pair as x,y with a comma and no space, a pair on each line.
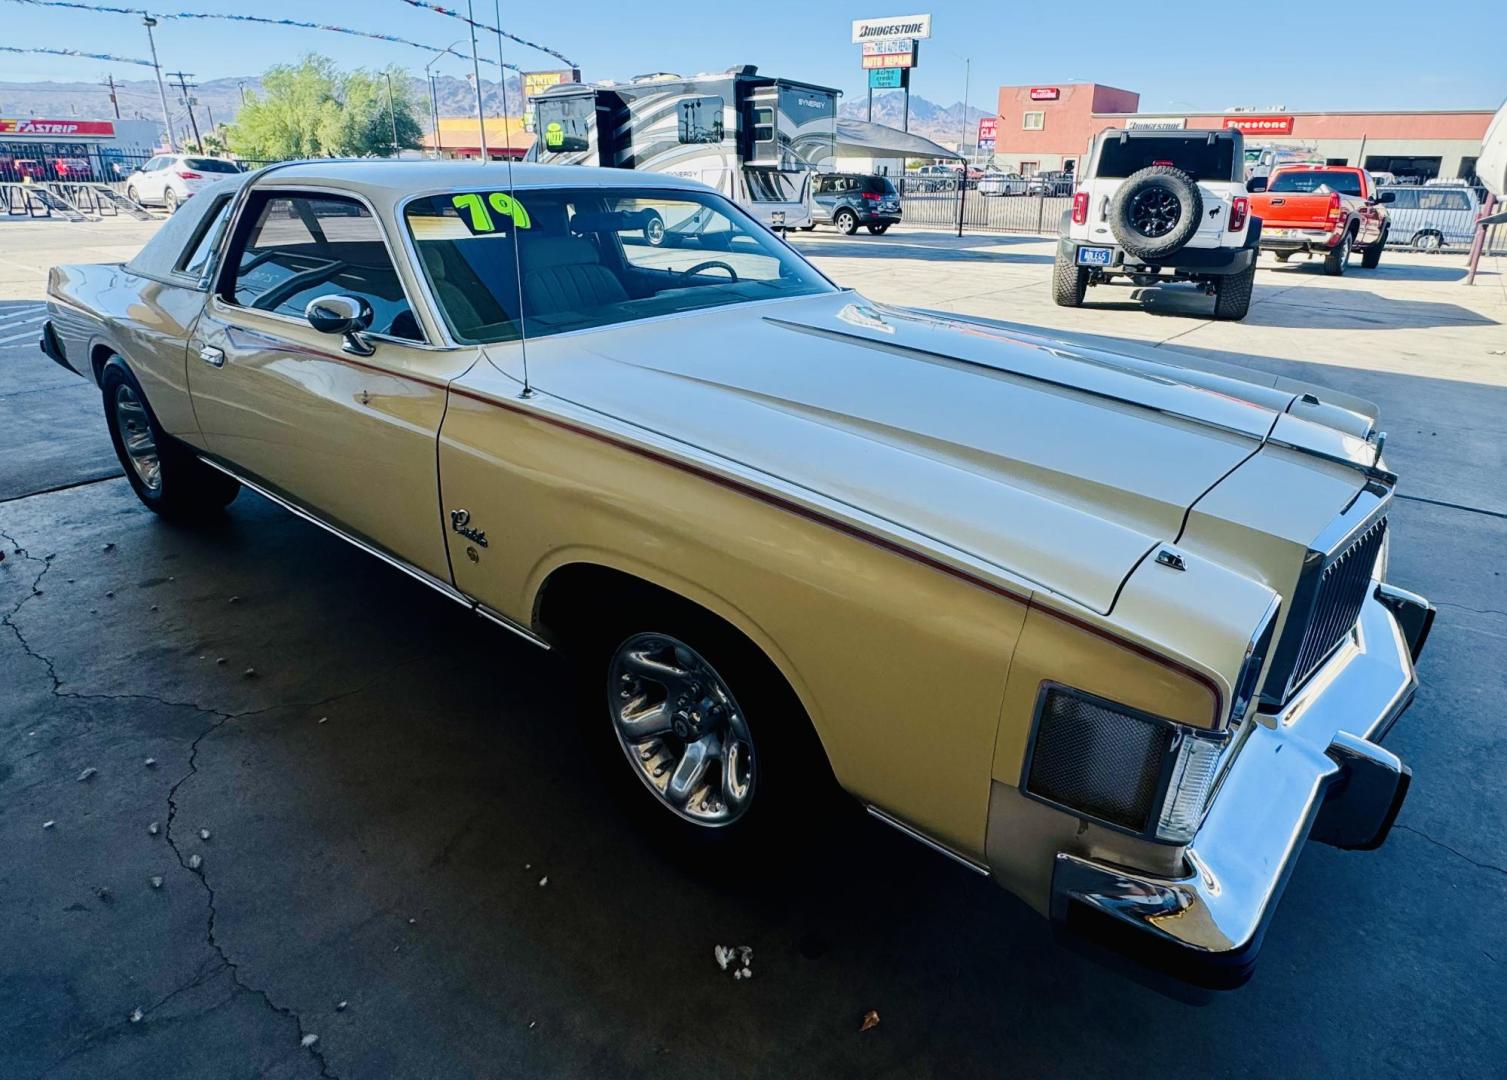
896,26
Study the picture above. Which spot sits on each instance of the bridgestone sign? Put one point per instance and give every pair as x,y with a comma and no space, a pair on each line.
896,26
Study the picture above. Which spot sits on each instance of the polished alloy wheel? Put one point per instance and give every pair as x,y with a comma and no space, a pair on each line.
1154,212
136,436
681,730
654,232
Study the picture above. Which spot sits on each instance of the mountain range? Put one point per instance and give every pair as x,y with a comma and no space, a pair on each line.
219,99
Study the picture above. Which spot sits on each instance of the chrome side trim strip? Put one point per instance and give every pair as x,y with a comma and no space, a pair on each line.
922,838
444,588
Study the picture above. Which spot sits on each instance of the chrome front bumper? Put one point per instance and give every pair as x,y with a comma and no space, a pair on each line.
1313,769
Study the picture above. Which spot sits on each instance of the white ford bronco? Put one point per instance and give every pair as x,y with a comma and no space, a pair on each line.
1154,207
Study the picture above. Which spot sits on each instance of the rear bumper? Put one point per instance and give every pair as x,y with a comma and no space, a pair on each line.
1290,240
1217,261
1313,770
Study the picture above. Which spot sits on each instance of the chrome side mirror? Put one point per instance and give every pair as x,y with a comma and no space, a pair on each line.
346,315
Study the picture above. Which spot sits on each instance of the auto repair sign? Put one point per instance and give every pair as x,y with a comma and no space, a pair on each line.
896,26
1259,125
56,128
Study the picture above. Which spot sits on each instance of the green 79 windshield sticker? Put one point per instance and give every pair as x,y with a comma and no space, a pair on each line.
483,213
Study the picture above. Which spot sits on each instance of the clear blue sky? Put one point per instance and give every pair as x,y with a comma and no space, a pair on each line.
1438,54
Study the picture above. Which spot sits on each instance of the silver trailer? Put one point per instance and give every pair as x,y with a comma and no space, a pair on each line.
754,138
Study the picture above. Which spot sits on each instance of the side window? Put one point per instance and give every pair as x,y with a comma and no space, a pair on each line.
197,256
701,120
1406,199
300,247
152,165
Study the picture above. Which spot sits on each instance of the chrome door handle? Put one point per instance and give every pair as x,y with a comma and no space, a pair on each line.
212,356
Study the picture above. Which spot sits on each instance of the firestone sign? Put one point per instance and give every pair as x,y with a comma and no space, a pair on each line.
64,128
1259,125
896,26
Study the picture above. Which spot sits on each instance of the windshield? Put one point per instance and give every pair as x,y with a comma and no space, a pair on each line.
1322,183
569,259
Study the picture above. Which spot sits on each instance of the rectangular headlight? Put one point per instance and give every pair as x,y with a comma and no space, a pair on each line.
1136,772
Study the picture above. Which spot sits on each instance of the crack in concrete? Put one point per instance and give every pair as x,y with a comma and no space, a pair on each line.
1467,607
1452,850
221,718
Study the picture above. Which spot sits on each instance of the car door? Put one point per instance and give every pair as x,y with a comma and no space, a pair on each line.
348,436
825,187
144,179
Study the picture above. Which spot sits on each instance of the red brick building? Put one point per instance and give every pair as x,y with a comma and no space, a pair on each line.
1049,127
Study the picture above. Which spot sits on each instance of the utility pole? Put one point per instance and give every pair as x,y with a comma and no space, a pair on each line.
167,117
967,73
114,101
481,121
392,115
188,102
243,92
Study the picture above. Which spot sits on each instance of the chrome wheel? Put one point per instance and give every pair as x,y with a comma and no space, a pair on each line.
654,232
681,729
136,437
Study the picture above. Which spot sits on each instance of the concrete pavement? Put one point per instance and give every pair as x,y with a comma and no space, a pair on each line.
387,784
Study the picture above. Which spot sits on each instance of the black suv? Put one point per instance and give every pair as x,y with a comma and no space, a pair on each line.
848,200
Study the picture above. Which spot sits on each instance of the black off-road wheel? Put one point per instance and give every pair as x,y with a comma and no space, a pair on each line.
1155,212
1370,257
846,221
698,736
1069,282
1232,294
1339,256
166,476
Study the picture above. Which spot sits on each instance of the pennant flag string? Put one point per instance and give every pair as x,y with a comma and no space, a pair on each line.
490,29
296,23
80,55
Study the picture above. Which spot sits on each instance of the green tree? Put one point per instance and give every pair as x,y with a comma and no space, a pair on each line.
315,110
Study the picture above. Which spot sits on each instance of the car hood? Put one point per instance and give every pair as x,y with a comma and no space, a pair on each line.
1059,465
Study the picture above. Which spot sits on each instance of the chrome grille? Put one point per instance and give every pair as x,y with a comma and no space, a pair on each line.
1343,584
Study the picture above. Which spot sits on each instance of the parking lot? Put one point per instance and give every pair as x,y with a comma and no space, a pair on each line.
259,787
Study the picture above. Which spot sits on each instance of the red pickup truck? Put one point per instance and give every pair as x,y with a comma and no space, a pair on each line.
1327,210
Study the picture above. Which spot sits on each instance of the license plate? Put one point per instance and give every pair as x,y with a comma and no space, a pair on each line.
1095,256
1279,232
777,217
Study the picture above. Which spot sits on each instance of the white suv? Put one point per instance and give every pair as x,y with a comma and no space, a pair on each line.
1154,207
168,179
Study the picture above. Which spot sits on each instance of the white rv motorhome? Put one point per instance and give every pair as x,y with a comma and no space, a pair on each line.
754,138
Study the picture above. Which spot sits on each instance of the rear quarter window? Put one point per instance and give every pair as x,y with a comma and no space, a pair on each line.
171,246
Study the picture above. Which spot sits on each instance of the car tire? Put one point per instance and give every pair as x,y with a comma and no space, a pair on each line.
1339,256
1232,294
165,474
1155,212
626,666
1283,256
879,230
1428,241
1370,256
1069,282
133,194
809,228
170,201
846,222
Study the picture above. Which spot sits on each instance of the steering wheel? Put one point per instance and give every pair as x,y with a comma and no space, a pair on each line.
710,264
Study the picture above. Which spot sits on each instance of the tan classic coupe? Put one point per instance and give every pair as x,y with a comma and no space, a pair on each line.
1115,632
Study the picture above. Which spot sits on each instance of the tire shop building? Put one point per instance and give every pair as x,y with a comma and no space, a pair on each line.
1042,128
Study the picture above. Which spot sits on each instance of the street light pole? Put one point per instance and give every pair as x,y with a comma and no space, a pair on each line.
434,103
967,76
481,120
167,118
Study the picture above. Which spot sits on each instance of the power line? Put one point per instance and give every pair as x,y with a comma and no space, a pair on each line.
492,29
184,87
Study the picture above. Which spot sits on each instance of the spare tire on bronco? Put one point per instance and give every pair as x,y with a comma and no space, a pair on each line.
1155,212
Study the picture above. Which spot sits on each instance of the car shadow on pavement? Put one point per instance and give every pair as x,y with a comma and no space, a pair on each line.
924,247
1386,271
1296,306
